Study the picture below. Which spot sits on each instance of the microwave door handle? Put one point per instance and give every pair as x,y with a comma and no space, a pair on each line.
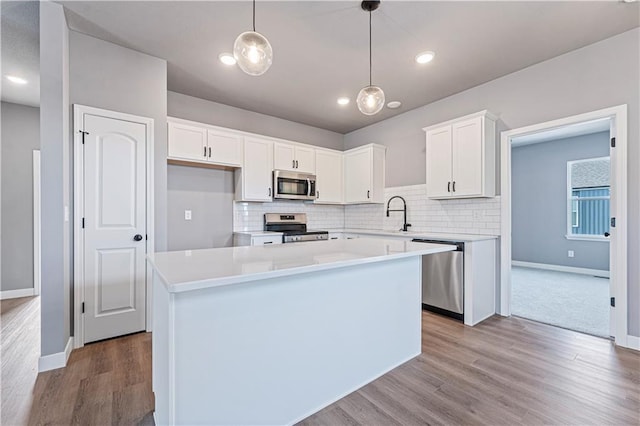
309,187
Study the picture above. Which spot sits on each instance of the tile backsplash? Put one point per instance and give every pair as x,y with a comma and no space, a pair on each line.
465,216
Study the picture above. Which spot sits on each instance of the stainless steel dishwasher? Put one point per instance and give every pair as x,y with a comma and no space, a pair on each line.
443,280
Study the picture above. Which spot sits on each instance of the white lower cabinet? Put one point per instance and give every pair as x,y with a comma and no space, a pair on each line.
329,177
254,180
364,169
246,239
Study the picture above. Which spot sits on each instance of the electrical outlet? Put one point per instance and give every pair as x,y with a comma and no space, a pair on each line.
187,215
570,253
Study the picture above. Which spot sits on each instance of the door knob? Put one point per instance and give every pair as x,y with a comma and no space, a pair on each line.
606,234
137,237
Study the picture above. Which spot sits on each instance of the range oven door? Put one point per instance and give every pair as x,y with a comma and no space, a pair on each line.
293,186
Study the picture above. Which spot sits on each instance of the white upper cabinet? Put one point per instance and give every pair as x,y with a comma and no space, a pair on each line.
203,144
461,157
364,169
329,177
187,142
254,180
295,158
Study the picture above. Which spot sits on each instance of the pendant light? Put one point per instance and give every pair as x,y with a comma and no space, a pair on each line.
252,50
370,98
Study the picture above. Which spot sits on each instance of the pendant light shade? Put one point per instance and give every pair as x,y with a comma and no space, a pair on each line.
370,100
253,53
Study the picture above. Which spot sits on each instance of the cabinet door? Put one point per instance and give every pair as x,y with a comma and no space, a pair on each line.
284,156
305,159
224,147
439,162
257,169
467,157
187,142
357,171
329,179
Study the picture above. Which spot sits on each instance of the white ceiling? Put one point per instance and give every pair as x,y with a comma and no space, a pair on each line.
579,129
320,47
20,51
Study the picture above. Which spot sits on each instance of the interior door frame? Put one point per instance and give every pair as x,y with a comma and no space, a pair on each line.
78,202
618,260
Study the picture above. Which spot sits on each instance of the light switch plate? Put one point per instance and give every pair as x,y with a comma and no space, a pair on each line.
187,215
570,253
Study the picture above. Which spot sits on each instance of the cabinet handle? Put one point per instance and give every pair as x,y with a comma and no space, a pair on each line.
368,192
269,192
293,164
205,151
454,186
209,152
317,194
268,242
448,186
297,166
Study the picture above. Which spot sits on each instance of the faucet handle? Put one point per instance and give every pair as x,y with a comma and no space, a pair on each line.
406,226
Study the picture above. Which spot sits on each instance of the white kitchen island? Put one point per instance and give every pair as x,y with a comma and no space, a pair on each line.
272,334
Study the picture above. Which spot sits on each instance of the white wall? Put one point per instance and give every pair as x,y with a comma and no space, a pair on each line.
597,76
20,136
55,175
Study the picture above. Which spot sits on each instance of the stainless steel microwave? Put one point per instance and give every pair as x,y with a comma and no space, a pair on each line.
293,185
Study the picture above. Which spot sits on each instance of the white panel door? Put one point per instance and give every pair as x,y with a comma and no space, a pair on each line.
329,180
114,227
188,142
438,155
305,159
257,169
224,148
284,157
467,157
357,172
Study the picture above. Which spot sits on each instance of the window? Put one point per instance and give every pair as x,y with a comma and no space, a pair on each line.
588,195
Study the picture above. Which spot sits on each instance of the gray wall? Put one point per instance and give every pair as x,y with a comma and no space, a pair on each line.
597,76
56,286
108,76
20,136
190,108
539,203
208,193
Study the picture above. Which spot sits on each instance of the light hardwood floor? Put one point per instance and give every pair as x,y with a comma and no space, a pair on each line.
503,371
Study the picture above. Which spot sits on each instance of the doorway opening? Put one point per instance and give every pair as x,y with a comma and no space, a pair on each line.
560,193
563,248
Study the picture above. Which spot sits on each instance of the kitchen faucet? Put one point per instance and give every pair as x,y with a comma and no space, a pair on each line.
406,225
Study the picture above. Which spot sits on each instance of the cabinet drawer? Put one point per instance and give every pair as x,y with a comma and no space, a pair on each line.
265,240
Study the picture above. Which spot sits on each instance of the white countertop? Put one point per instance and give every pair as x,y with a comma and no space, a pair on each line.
411,234
197,269
258,233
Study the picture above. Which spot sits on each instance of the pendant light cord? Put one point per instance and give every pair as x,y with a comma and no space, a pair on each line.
254,16
369,48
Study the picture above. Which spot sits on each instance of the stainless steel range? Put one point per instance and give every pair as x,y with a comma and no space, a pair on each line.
293,226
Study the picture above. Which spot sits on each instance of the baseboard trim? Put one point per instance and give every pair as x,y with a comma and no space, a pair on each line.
14,294
560,268
57,360
633,342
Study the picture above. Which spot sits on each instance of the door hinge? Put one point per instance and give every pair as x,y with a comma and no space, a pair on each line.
613,222
613,302
83,133
83,307
83,223
613,142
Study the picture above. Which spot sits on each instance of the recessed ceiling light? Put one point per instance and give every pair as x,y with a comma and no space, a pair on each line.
227,58
343,101
394,104
424,57
16,80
